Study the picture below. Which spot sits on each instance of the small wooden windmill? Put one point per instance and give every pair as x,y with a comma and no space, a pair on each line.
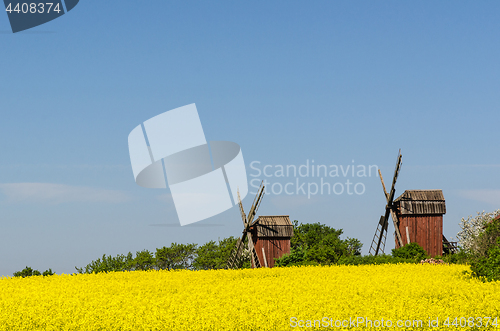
236,255
378,242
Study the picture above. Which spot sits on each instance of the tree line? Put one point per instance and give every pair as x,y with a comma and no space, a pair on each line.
212,255
311,244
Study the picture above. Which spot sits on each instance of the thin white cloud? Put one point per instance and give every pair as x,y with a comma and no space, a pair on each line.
488,196
59,193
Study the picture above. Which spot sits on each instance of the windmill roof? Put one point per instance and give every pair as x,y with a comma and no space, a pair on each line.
273,226
421,202
421,195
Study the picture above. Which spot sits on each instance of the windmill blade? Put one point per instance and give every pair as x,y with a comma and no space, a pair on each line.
241,243
379,238
253,253
390,197
383,185
247,222
256,203
383,223
243,216
235,256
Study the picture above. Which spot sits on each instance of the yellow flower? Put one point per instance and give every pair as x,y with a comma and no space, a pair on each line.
388,297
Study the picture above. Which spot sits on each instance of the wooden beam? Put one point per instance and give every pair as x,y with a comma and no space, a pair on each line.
253,252
383,185
264,255
383,227
243,215
396,228
394,179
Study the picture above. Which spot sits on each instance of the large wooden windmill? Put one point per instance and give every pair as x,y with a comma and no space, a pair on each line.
379,239
239,250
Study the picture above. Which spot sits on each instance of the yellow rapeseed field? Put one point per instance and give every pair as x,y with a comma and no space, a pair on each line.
336,297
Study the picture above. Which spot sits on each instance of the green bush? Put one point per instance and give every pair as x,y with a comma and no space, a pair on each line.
412,251
370,259
462,257
488,267
486,260
296,257
488,238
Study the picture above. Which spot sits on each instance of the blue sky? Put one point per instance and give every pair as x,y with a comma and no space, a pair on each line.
289,81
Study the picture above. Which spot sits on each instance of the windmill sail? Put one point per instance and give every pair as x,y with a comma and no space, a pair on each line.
380,236
237,253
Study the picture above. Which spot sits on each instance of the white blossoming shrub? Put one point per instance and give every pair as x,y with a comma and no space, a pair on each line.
472,227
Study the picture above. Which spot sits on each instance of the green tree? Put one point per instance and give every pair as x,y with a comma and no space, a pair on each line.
310,234
226,247
315,243
108,264
214,255
48,272
328,250
353,246
487,238
144,260
177,256
28,272
207,256
487,267
485,260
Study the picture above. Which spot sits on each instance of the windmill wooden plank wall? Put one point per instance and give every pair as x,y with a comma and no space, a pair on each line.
271,233
421,212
